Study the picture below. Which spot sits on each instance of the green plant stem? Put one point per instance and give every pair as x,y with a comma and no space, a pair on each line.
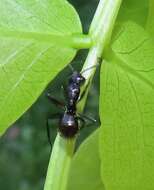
100,32
59,165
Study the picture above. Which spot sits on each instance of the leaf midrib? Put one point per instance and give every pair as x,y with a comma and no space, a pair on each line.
40,37
76,41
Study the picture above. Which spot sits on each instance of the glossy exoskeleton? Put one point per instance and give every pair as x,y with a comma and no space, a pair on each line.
69,120
68,124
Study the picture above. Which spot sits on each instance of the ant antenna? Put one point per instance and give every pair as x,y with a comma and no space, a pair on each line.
88,68
71,67
99,61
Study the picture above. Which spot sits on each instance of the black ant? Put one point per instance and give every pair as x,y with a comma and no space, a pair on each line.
69,121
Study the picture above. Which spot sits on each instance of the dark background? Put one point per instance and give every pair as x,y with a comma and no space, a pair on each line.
24,148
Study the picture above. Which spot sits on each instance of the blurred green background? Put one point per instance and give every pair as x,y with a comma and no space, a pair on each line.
24,148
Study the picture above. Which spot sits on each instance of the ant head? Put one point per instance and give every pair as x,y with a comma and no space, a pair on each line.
77,78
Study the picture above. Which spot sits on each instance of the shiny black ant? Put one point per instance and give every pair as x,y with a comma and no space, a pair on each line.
69,121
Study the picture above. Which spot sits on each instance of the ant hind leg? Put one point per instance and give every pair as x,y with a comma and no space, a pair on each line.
48,132
52,117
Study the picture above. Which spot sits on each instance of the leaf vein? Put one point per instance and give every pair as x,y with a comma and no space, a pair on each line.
22,77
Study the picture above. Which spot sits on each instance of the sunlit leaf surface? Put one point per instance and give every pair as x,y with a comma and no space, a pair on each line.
85,170
127,111
34,46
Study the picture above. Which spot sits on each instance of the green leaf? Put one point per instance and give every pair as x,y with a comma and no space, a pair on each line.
35,43
134,10
127,111
85,168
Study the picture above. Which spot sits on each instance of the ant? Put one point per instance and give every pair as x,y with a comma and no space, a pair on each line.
69,121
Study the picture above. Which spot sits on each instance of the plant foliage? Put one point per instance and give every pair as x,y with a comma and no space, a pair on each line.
35,43
126,110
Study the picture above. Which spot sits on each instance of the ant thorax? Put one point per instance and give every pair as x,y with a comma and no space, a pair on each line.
73,92
73,87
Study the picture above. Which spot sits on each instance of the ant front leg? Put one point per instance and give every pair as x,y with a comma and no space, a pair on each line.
83,93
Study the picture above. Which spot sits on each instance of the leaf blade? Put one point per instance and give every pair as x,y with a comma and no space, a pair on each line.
127,89
85,168
27,65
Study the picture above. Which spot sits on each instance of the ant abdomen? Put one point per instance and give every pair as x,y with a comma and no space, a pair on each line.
68,126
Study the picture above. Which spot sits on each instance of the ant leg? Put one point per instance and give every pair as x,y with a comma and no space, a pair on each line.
48,132
82,121
53,116
55,101
64,92
83,93
87,118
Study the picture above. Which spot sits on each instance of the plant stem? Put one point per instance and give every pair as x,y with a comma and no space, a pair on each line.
59,165
100,32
